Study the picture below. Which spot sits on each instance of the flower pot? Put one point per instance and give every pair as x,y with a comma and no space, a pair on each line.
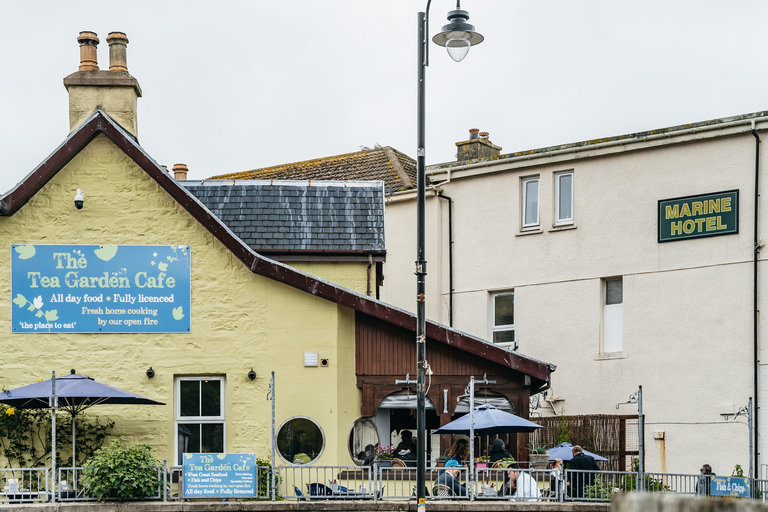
439,463
481,464
539,460
384,463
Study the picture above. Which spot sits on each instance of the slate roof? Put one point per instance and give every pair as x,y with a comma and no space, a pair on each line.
395,169
291,216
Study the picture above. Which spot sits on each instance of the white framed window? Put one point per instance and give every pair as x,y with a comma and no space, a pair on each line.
200,415
613,316
503,319
563,198
530,202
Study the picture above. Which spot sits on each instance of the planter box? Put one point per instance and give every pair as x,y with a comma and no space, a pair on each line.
539,460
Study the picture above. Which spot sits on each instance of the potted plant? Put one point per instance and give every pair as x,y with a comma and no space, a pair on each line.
482,461
538,457
384,455
440,462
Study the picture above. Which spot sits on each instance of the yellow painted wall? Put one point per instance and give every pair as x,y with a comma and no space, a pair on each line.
239,320
349,274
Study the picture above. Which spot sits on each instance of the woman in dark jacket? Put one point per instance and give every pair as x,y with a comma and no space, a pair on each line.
498,451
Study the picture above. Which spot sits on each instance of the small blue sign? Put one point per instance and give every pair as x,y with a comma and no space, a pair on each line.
219,475
729,486
100,288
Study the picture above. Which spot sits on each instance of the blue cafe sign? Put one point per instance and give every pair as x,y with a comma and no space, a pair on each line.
100,288
219,475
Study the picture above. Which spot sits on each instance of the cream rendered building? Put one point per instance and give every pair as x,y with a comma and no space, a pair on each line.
559,250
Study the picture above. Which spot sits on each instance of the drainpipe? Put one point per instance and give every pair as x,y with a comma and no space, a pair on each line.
450,256
754,298
368,287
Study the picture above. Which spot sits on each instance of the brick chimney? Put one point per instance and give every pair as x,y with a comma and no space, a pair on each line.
478,146
180,171
115,91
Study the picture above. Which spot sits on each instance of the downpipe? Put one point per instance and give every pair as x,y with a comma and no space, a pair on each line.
756,311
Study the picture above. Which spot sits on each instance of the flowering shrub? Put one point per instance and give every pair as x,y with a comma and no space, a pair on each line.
385,452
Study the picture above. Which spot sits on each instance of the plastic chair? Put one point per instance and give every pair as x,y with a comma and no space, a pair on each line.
442,490
299,494
397,463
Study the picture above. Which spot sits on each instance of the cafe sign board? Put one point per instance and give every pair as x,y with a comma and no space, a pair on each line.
698,216
100,288
729,486
219,475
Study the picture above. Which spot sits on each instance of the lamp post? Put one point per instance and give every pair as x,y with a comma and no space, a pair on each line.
457,36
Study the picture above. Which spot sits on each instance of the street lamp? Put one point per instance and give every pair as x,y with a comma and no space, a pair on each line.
457,36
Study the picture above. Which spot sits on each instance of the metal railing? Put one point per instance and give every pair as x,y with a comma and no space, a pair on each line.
24,485
305,482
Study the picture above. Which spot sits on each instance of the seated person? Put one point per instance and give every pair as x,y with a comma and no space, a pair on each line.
404,452
406,437
525,485
450,478
459,451
498,451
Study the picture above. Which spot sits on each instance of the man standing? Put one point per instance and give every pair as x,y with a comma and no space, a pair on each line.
702,485
450,478
578,480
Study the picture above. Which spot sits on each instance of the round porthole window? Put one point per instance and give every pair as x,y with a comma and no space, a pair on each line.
363,440
300,440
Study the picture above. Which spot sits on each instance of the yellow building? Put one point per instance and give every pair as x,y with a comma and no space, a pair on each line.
140,274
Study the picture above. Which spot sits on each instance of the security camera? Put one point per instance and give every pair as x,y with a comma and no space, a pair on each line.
79,198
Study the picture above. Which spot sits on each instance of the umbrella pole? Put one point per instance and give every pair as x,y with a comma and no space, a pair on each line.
53,435
472,435
74,460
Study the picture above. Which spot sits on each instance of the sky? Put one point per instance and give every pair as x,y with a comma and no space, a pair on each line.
234,85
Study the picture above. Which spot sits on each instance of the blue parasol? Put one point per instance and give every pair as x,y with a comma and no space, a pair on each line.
565,451
488,421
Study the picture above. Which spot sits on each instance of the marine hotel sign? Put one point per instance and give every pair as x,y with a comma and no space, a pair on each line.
713,214
100,288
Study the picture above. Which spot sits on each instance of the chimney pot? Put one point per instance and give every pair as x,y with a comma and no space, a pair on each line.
117,54
88,57
483,135
180,171
473,133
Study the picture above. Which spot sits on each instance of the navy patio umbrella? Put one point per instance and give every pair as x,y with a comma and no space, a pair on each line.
565,451
74,394
488,421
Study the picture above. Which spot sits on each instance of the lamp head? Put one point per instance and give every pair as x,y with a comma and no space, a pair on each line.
458,35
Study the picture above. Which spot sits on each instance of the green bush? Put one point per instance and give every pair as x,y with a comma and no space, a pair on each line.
121,472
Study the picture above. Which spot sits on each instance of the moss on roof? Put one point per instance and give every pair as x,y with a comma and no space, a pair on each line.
395,169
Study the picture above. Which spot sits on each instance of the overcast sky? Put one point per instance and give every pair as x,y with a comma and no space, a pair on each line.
237,85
